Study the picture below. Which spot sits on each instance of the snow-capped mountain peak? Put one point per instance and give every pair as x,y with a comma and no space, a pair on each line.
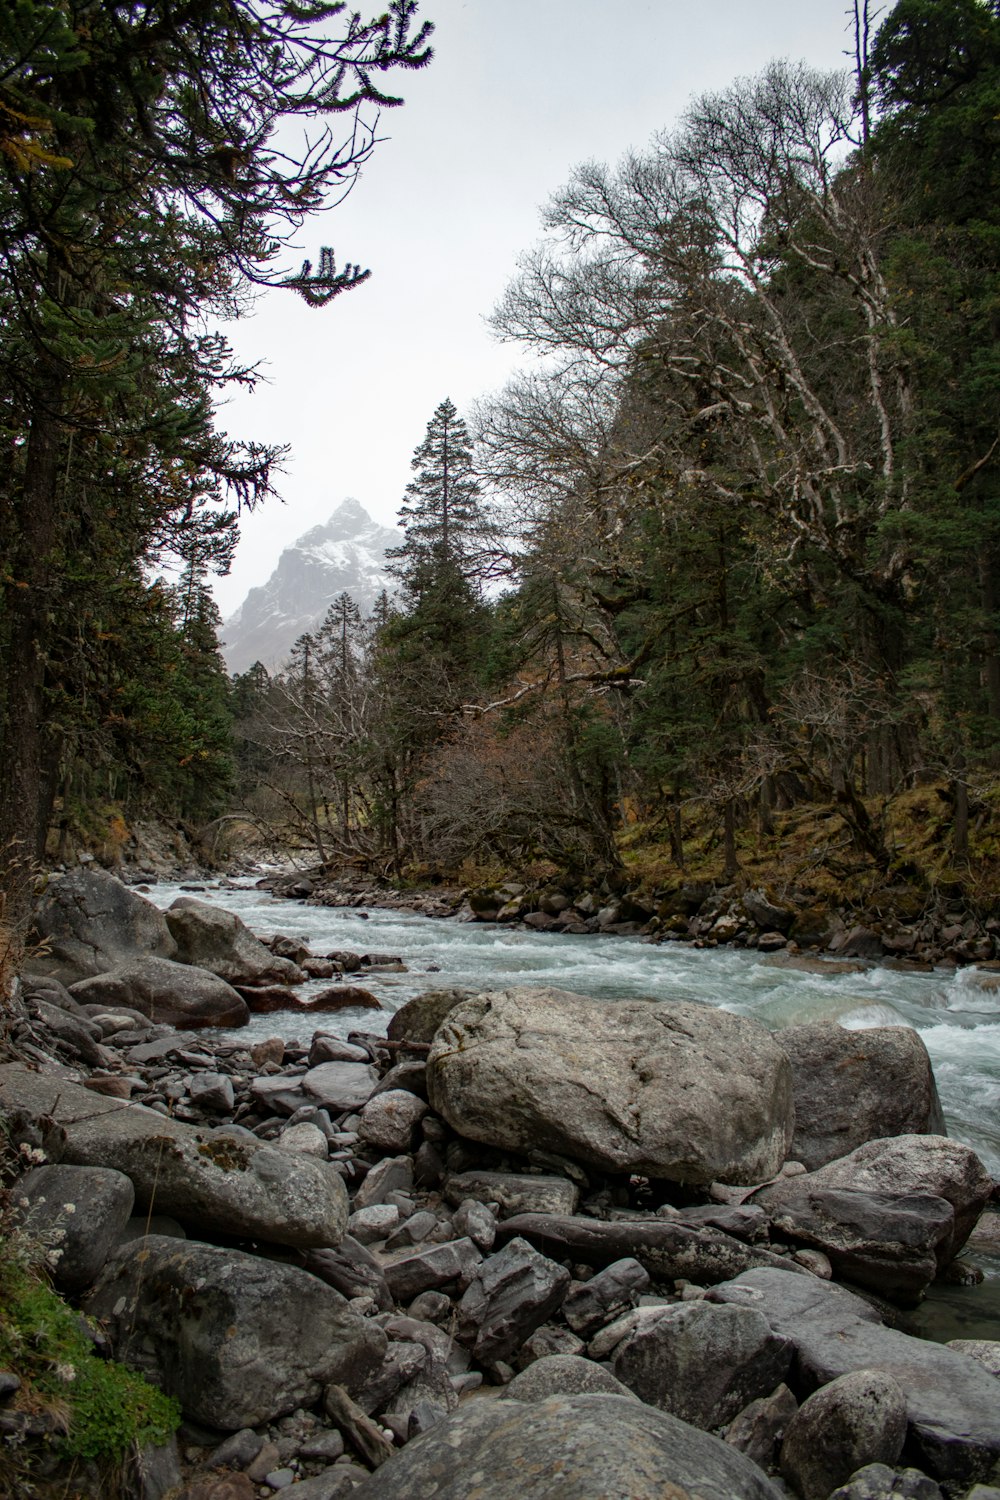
346,555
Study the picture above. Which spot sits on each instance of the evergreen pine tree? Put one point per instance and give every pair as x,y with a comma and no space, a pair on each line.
441,514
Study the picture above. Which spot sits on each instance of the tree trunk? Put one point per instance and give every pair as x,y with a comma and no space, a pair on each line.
26,608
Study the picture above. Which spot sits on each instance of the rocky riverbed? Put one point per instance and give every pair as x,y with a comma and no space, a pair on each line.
913,930
527,1243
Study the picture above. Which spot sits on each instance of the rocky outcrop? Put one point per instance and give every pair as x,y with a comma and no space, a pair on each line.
478,1254
88,923
632,1087
219,1180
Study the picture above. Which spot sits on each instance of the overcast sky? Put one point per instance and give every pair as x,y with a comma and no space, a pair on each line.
518,93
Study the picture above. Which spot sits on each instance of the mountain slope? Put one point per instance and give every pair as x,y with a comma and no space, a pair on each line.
347,555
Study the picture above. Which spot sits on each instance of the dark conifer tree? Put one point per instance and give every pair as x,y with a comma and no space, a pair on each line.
441,515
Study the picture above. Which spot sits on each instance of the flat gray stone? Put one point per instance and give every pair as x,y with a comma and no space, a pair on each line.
514,1192
339,1086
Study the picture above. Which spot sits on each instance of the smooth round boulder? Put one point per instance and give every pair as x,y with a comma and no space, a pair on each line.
856,1086
702,1363
856,1420
590,1447
678,1091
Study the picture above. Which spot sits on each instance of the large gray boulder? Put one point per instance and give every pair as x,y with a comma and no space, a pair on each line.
88,922
629,1087
951,1401
169,993
239,1340
212,1180
588,1447
922,1164
221,942
856,1086
702,1363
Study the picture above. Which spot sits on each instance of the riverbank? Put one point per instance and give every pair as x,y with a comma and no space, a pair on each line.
427,1183
903,930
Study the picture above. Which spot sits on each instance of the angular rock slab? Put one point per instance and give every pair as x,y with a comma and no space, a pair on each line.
855,1086
589,1447
89,922
929,1164
237,1339
952,1403
222,1182
221,942
889,1242
340,1086
514,1192
628,1087
510,1295
664,1247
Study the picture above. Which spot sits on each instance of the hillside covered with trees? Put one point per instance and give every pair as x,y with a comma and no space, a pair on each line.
712,587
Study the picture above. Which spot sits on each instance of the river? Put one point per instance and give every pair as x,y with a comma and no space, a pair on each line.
957,1017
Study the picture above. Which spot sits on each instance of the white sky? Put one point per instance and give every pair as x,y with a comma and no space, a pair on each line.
518,93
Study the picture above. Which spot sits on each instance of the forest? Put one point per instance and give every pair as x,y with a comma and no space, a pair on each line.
714,586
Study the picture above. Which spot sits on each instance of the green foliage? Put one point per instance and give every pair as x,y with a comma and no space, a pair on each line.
99,1409
141,195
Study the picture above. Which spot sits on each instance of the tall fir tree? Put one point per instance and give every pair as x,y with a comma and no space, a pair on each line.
442,516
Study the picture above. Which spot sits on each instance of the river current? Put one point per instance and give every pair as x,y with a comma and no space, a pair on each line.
957,1012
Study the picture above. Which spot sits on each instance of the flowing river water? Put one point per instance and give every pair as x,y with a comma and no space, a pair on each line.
957,1012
